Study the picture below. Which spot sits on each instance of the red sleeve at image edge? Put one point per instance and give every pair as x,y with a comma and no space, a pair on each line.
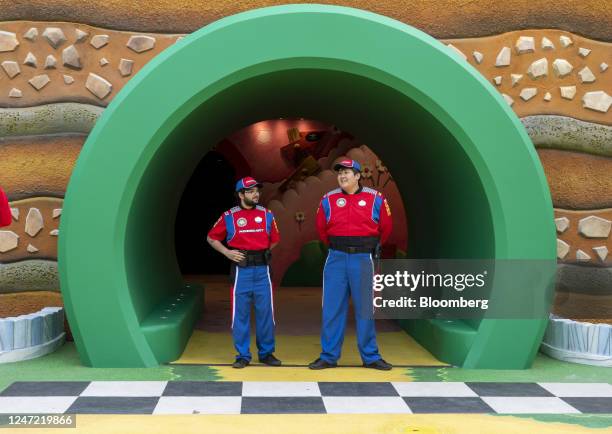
5,210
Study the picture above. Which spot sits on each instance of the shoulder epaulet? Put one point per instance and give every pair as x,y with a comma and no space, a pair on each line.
235,209
334,191
369,190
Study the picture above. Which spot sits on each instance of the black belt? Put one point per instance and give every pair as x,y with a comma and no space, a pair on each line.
354,244
254,257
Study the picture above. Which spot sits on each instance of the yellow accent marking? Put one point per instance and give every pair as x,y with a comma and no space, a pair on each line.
388,208
320,423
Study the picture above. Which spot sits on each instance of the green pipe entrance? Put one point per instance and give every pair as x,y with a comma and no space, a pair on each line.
452,143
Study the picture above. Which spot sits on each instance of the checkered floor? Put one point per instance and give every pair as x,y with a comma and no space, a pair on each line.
225,397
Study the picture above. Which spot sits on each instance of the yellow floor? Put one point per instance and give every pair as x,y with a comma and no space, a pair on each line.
298,323
398,348
321,424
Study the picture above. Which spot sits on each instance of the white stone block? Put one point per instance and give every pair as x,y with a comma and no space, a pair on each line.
7,326
503,57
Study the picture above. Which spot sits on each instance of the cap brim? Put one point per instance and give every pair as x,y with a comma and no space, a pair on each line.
339,166
258,185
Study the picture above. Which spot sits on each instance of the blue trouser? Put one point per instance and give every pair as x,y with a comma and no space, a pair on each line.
347,274
252,284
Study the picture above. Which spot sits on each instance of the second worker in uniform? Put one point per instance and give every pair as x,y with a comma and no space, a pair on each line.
354,221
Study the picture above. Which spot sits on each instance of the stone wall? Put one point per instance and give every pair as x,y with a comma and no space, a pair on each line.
63,62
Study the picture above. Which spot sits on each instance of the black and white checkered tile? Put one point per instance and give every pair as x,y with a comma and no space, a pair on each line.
226,397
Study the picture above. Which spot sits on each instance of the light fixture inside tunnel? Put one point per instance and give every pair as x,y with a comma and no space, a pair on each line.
453,145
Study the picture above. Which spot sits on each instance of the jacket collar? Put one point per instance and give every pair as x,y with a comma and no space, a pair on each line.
246,209
357,192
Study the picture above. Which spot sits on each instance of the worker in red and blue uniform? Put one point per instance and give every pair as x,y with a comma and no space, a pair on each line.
5,210
250,232
354,221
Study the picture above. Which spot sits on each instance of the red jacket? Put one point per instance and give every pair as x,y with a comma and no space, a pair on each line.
363,214
5,210
246,229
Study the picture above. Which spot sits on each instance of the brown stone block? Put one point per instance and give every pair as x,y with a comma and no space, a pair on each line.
22,303
576,241
44,242
490,47
38,166
576,180
80,68
440,18
583,307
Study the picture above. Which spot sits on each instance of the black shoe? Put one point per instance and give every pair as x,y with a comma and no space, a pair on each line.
270,360
322,364
380,364
240,363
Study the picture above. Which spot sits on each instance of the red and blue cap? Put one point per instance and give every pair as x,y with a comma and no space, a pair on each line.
246,183
351,164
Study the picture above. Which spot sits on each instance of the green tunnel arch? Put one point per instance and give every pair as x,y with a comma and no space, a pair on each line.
454,146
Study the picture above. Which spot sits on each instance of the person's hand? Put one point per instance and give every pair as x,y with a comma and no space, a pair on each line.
235,255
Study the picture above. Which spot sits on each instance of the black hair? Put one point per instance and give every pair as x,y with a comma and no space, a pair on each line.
355,171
